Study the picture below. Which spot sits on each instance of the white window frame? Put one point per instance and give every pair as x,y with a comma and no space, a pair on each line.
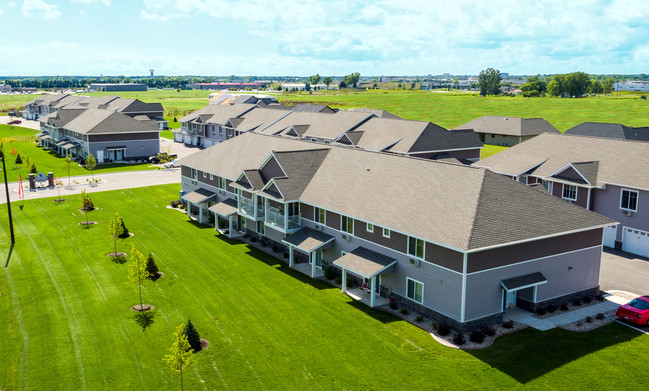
408,279
348,220
313,139
423,247
327,142
386,230
223,183
637,198
316,215
230,133
211,177
369,227
563,192
204,175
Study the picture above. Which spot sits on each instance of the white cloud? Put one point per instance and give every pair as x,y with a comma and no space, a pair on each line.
40,10
105,2
82,15
11,4
1,11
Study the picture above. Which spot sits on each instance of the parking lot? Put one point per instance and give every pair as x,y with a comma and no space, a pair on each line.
625,272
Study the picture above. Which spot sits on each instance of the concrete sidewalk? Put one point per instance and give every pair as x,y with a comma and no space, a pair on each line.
612,303
109,181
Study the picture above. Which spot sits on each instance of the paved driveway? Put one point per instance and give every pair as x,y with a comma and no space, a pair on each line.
25,122
625,272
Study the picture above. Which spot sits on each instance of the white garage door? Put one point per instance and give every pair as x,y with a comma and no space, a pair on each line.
207,143
635,241
610,233
187,139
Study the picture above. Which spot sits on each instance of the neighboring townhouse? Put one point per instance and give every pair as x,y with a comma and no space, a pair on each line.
46,104
508,131
458,243
377,112
607,176
108,135
617,131
206,127
320,127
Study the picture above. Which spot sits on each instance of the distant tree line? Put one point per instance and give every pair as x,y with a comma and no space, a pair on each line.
78,82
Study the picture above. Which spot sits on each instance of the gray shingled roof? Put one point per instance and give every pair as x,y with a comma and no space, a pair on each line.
365,262
379,113
218,114
46,99
509,126
466,208
308,239
300,166
523,281
89,121
617,131
551,152
225,208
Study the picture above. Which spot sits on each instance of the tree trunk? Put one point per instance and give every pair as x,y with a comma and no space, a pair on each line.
139,286
115,246
181,380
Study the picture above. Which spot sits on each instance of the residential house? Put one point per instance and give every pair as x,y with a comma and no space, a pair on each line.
617,131
108,135
508,131
604,175
458,243
206,127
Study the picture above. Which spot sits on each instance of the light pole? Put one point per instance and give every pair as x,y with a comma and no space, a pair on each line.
11,222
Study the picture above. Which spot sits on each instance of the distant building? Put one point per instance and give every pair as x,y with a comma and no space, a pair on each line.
105,87
302,86
508,131
5,88
223,86
631,85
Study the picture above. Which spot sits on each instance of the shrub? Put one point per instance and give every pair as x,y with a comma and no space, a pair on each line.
404,311
588,299
174,203
576,302
253,239
350,282
193,337
329,272
459,339
275,248
600,297
477,336
488,330
419,318
393,304
433,325
564,307
508,324
246,236
126,233
551,308
339,281
599,316
33,169
263,242
589,319
18,160
86,202
443,329
151,266
541,311
579,323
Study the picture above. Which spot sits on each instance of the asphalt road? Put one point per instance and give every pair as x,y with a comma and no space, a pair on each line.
4,119
625,272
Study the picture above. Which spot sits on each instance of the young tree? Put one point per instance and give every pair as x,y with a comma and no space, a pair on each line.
489,82
33,169
86,205
192,335
91,163
137,272
27,162
327,80
151,266
180,354
18,160
115,229
67,163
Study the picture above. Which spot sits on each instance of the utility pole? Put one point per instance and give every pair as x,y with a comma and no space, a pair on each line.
11,222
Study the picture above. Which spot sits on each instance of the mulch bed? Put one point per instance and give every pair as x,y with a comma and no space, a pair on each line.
204,343
115,255
145,307
583,325
87,222
157,276
60,200
87,211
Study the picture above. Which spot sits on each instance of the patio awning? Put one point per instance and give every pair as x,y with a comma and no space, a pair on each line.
308,240
522,282
366,263
41,134
199,196
70,145
45,137
225,208
61,143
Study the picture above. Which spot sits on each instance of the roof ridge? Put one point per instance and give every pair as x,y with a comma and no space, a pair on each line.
467,245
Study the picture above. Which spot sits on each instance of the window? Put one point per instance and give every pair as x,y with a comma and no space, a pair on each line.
315,140
629,200
416,247
194,173
522,179
229,132
204,174
546,185
327,141
493,136
415,290
211,177
386,233
347,224
369,227
320,215
569,192
223,184
261,228
220,131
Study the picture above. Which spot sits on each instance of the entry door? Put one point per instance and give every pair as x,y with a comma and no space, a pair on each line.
100,156
317,257
119,155
510,299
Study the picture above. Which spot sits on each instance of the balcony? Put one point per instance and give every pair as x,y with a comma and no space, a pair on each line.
246,206
276,217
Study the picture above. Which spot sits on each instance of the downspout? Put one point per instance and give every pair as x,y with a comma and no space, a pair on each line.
463,303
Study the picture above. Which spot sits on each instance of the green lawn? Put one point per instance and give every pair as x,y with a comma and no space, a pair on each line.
23,140
69,326
489,150
452,109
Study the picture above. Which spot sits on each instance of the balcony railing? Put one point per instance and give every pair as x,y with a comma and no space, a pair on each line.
274,218
246,206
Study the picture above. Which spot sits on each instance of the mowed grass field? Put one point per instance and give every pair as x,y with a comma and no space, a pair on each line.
23,140
451,109
68,325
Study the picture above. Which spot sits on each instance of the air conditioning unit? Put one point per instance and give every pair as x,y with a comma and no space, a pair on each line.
628,213
345,237
318,227
414,262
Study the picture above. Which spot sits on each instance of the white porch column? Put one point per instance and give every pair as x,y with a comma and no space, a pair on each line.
313,257
200,214
344,287
230,226
189,209
373,291
291,256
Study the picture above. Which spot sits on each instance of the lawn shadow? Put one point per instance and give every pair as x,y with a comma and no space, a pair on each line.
378,314
528,354
144,319
11,250
200,225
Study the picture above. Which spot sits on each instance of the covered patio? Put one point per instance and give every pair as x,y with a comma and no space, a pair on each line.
199,197
312,243
527,283
367,264
227,210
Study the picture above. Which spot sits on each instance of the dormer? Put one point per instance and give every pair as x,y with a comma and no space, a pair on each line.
584,173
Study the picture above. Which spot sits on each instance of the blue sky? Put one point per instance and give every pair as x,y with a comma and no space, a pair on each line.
334,37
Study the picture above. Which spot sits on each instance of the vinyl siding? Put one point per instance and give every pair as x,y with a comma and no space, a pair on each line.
607,203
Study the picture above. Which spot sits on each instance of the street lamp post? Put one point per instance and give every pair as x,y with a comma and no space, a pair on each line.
11,222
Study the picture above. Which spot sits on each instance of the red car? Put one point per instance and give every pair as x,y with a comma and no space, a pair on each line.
15,122
637,311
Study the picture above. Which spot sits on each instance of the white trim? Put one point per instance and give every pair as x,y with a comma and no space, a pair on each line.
574,168
627,186
271,155
535,259
523,287
440,150
464,275
267,185
422,290
367,228
637,199
563,192
383,229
